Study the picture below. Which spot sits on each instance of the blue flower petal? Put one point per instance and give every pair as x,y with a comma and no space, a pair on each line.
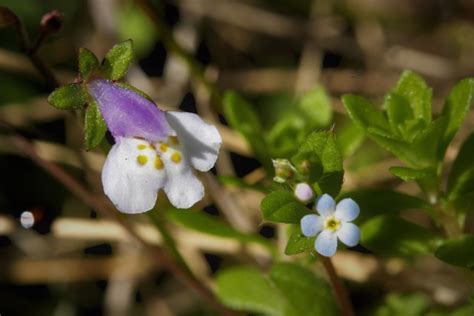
326,243
311,225
325,205
347,210
349,234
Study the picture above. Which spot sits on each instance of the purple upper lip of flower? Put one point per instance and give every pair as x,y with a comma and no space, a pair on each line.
128,114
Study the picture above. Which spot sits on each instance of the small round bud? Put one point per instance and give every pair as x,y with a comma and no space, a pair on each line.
52,22
304,192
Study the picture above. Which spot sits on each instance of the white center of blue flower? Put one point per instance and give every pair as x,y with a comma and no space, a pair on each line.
331,223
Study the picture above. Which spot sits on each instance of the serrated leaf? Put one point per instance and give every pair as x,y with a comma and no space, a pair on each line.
243,118
88,63
393,236
414,89
461,177
282,207
410,174
117,60
456,107
94,126
71,96
364,114
298,243
210,225
305,293
374,202
459,251
247,289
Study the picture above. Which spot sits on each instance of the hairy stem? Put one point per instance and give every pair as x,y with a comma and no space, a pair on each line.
338,288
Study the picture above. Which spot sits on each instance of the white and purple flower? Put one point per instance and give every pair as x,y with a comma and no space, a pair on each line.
332,223
153,150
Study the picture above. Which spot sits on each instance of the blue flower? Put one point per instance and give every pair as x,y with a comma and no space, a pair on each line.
332,223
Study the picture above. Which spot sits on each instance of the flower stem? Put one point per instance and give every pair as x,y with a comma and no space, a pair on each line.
338,288
168,240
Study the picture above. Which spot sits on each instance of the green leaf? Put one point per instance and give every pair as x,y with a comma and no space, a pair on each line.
458,252
289,290
316,107
322,153
88,63
282,207
242,117
456,107
414,89
404,304
398,111
364,114
374,202
210,225
410,174
392,236
298,243
94,126
71,96
247,289
117,60
305,293
350,137
333,172
461,177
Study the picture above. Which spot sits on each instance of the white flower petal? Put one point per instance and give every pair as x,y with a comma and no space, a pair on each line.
201,140
132,186
326,243
311,225
325,205
347,210
349,234
182,187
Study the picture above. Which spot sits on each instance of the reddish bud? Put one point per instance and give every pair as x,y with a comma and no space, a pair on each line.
52,22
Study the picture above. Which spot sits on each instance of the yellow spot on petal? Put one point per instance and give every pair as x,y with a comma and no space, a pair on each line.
174,140
176,157
163,147
141,146
158,162
142,159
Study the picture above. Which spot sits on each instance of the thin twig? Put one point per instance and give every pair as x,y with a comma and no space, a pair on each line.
99,205
339,289
31,51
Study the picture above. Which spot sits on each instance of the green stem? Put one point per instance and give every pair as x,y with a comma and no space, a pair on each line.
168,240
339,290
